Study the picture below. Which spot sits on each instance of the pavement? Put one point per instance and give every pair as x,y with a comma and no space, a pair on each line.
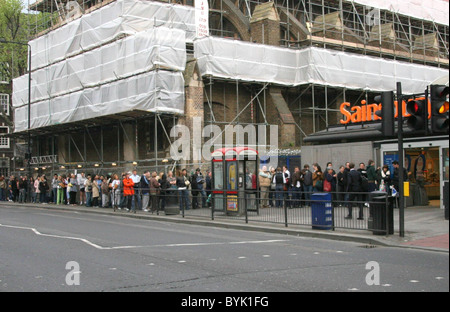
425,227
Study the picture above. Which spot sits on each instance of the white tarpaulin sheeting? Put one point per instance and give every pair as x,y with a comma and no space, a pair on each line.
126,56
149,92
246,61
123,17
431,10
161,46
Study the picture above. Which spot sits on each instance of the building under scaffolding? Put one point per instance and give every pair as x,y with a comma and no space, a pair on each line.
110,79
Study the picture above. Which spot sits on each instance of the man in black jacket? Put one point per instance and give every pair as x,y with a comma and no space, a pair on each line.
354,189
342,183
13,188
23,186
296,187
43,187
195,188
307,184
208,189
395,176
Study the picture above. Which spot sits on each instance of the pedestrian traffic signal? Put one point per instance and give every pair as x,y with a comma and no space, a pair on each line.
418,109
386,113
439,109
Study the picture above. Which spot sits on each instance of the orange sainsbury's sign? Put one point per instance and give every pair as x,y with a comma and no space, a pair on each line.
366,112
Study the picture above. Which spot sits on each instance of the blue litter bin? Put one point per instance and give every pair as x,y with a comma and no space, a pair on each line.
321,211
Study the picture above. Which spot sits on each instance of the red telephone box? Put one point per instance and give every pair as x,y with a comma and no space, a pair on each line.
235,182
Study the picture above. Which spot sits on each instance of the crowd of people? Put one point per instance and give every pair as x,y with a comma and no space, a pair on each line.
349,185
150,191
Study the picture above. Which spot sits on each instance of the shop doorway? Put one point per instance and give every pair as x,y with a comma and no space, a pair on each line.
424,175
427,166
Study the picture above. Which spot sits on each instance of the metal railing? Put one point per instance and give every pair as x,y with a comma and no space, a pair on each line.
354,211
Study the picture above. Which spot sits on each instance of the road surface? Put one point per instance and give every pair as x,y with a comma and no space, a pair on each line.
45,250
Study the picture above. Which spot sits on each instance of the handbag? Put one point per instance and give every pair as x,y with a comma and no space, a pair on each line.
326,186
273,186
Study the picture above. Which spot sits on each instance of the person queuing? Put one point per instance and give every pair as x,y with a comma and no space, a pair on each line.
145,190
396,175
128,190
115,190
136,197
371,175
88,186
279,179
341,185
23,187
317,178
272,188
264,183
43,189
354,189
154,192
183,184
164,186
105,191
330,180
197,185
307,183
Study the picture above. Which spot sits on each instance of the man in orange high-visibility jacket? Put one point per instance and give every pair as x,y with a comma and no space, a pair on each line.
128,190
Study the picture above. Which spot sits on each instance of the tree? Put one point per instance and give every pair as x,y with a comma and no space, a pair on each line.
13,27
17,26
13,57
11,19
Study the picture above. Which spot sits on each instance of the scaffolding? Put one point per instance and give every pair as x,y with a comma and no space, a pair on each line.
355,27
101,147
351,27
337,24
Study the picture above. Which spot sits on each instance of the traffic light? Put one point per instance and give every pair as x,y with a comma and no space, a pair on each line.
418,109
439,109
386,113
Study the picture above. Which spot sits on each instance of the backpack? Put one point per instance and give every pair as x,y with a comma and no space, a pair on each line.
279,178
